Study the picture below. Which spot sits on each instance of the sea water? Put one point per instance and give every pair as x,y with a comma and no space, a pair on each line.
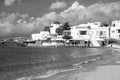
27,63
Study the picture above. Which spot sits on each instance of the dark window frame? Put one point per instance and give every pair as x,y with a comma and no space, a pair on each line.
118,30
83,32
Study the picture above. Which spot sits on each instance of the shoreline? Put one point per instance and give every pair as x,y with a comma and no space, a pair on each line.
54,72
93,70
85,67
116,46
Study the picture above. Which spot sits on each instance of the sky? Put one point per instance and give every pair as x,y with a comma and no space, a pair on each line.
24,17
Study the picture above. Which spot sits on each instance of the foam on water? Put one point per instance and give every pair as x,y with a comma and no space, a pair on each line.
46,75
53,72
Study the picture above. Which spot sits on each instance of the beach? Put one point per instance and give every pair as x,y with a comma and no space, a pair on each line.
106,68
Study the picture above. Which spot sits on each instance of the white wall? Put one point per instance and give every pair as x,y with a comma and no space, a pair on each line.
35,36
114,32
114,29
40,36
75,33
96,32
116,23
54,27
93,31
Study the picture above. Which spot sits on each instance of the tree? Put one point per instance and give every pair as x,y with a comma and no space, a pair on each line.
105,24
46,28
59,31
66,26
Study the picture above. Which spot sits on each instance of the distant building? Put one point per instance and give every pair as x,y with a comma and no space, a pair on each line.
19,39
40,36
115,29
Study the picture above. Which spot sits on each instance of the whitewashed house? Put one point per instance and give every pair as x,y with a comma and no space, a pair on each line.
115,29
90,32
98,33
43,35
80,32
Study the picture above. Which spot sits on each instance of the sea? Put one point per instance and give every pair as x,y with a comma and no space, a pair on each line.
34,63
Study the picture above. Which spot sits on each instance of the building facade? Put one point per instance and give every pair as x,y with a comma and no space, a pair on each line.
93,32
80,32
115,29
98,32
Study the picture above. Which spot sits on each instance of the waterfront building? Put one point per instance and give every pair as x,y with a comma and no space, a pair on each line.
98,34
115,29
77,35
92,33
53,40
80,32
43,35
86,31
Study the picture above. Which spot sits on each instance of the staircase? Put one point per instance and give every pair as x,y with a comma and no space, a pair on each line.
95,43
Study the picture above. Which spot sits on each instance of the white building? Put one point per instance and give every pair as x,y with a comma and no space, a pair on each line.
54,26
91,31
116,23
80,32
98,32
43,35
115,29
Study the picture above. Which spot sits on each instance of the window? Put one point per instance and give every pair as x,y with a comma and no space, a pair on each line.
118,30
119,36
114,25
113,31
66,33
101,33
83,32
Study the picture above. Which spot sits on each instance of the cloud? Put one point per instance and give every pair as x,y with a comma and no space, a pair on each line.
11,2
75,6
58,5
52,16
76,14
16,24
103,12
19,24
